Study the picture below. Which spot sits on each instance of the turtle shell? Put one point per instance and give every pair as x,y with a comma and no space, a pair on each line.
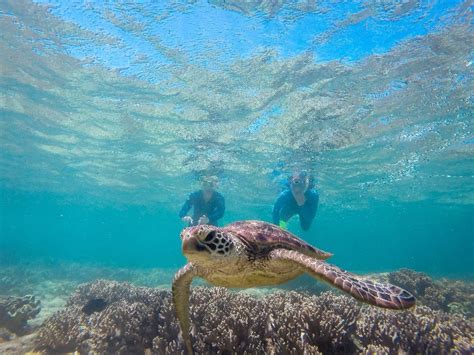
260,238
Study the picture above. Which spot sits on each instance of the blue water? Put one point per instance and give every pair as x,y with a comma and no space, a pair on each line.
109,113
422,236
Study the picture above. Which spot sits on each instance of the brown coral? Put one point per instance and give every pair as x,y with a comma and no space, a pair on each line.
16,311
421,330
413,281
127,323
138,319
449,296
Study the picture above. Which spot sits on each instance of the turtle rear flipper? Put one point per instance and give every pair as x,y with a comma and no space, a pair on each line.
374,293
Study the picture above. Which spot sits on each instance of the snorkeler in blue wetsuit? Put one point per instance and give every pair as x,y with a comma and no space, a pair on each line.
301,198
208,204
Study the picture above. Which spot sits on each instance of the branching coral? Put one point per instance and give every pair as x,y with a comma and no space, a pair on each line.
127,322
301,322
449,296
413,281
132,319
421,330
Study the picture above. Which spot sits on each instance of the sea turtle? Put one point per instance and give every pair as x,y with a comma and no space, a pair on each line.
254,253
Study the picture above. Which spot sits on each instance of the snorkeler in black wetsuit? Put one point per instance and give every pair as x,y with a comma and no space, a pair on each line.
209,205
301,198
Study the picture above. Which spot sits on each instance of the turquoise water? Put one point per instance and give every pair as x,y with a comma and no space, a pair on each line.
109,112
422,236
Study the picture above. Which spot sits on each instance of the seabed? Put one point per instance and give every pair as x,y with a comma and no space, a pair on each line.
87,309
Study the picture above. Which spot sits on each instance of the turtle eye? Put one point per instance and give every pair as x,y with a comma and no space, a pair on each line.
200,247
210,236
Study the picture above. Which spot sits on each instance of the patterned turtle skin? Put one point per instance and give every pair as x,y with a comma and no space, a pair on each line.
254,253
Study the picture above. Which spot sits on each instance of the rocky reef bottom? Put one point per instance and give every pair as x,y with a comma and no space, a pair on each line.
118,317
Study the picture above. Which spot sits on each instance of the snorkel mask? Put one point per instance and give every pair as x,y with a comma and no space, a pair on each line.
209,182
301,181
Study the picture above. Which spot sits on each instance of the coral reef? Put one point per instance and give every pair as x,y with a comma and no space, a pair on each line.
53,282
127,324
15,313
422,331
121,318
449,296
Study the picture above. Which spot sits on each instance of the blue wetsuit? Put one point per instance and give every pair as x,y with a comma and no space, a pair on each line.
214,208
286,207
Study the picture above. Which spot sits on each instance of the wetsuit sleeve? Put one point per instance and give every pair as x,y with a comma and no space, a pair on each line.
187,206
218,210
308,213
279,203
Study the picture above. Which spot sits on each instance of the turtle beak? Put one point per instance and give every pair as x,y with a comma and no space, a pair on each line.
189,245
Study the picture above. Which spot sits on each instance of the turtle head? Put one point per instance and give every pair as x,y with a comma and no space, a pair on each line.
205,242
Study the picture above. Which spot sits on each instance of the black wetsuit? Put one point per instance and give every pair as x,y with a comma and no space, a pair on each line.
286,207
214,208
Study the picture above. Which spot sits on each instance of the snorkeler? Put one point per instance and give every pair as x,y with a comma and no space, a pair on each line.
301,198
209,205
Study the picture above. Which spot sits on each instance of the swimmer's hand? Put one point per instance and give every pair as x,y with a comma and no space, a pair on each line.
187,219
203,220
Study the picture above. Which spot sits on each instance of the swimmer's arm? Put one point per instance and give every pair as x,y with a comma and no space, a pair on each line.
186,206
279,203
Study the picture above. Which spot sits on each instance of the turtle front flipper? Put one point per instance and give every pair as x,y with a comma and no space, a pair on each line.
181,289
374,293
